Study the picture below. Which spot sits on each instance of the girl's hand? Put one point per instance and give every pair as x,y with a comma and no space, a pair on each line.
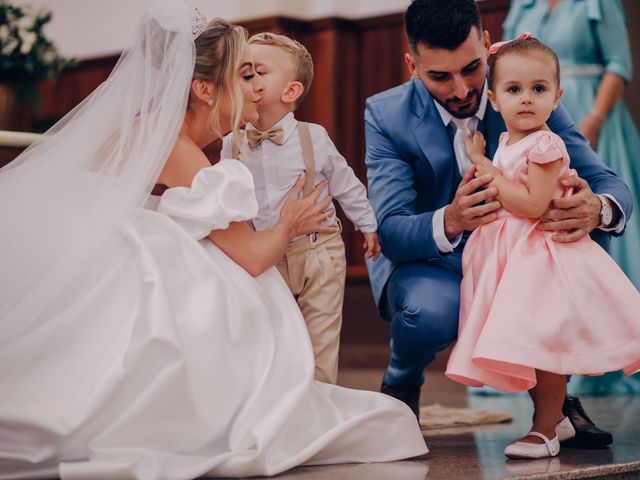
486,167
301,216
475,147
590,128
371,245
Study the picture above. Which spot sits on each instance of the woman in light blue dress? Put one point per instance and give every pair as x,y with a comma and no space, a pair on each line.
590,39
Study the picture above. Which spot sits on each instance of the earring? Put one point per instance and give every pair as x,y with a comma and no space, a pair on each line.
210,102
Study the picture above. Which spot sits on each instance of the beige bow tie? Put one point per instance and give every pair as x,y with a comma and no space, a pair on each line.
275,135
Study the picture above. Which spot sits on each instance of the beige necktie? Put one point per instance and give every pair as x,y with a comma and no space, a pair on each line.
275,135
464,128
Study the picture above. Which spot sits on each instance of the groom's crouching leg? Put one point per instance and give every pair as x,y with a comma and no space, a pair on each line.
423,302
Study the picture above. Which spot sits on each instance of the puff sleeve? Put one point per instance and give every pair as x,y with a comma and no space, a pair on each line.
219,195
548,147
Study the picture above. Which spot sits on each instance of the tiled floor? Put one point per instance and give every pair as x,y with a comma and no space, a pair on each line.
477,453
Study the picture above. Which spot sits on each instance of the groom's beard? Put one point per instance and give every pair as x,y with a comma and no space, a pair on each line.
462,108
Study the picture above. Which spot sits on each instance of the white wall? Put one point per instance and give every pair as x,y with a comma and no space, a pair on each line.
94,28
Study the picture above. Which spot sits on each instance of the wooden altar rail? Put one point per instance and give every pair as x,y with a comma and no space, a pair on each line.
17,139
12,143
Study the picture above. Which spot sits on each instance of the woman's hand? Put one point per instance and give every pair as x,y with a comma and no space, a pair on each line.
371,245
590,128
301,216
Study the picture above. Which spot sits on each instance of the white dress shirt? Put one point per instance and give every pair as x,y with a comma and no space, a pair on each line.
463,126
276,168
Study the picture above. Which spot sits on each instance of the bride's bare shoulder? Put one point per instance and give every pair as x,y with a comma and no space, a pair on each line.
185,160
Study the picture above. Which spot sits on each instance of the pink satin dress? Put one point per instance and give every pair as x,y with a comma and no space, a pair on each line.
528,302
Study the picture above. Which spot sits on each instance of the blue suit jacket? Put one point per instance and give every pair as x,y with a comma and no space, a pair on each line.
412,172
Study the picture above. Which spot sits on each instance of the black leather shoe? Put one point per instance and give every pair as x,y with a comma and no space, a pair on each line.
410,396
588,435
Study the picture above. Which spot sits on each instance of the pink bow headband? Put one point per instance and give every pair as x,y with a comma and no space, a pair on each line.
493,49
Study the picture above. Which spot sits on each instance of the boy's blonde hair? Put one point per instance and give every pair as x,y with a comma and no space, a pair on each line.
301,57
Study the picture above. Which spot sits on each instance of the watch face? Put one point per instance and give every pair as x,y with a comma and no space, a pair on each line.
605,214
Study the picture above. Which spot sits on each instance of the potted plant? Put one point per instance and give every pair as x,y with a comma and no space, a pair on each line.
27,56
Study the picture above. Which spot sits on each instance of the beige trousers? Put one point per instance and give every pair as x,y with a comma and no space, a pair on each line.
315,272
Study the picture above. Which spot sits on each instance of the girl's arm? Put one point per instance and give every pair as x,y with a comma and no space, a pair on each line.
529,201
534,199
258,251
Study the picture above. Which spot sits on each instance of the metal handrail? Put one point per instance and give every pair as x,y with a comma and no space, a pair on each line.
17,139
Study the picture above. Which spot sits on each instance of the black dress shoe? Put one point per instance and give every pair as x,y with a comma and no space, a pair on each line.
410,396
588,435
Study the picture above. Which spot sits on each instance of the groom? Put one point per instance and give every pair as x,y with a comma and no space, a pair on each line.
422,187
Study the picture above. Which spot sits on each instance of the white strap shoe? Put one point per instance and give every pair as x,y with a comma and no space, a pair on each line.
523,450
564,430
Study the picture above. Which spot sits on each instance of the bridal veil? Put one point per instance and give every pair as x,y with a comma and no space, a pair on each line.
63,199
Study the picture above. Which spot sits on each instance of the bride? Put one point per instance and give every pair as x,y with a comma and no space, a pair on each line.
145,337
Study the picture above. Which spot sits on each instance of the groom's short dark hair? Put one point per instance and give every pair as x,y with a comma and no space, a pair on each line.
441,23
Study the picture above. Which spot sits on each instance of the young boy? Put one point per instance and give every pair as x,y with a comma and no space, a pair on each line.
277,149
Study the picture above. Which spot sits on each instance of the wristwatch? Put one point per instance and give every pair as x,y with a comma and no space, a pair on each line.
606,215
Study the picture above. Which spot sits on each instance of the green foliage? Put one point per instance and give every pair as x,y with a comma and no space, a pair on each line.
26,54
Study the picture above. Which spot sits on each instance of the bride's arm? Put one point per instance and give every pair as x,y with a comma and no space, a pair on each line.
258,251
253,251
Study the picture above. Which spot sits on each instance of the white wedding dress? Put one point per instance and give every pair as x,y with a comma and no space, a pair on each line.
172,363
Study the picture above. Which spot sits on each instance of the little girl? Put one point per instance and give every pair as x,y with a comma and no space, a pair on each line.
533,310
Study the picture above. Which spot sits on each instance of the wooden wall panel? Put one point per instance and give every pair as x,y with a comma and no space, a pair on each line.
493,14
353,60
74,85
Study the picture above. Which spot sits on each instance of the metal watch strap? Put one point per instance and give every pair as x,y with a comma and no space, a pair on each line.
606,214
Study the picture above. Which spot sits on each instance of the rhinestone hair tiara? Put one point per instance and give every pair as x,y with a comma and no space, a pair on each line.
198,24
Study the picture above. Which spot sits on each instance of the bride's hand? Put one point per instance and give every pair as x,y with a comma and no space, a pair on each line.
304,215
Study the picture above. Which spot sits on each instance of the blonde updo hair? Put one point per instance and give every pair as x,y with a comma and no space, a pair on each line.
219,50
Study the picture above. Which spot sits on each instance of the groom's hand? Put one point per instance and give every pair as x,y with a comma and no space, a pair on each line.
468,208
573,217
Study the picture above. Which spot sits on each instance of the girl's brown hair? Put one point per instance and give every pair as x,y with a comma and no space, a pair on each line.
521,46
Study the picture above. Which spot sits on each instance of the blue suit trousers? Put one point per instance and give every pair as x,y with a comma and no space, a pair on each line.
422,299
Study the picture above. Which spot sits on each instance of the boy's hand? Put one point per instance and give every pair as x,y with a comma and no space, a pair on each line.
475,147
371,245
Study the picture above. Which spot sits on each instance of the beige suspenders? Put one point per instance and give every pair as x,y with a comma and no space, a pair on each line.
307,154
304,132
309,158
